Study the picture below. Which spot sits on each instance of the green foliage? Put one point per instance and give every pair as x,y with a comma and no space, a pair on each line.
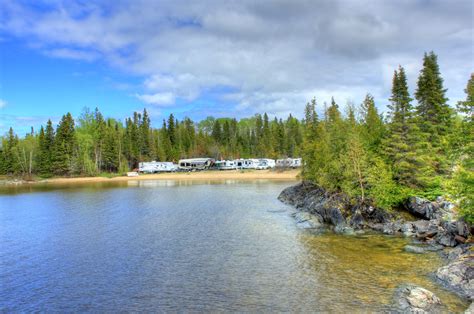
409,154
98,145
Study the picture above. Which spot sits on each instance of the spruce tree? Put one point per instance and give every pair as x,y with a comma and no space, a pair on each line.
64,146
372,123
434,112
402,144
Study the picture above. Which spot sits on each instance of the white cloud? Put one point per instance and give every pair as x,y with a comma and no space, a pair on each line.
67,53
3,103
274,55
158,99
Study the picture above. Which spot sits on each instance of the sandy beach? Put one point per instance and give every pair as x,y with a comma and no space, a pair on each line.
201,175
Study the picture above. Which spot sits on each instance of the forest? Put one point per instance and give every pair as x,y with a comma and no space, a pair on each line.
421,146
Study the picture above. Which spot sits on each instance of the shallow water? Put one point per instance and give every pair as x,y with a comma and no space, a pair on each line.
181,245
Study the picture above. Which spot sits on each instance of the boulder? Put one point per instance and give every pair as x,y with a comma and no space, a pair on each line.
305,220
414,299
425,209
459,275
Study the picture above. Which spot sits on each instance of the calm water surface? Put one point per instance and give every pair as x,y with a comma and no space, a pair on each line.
171,245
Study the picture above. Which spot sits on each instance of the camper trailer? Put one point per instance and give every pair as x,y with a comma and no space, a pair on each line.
156,166
225,165
246,163
288,163
193,164
265,163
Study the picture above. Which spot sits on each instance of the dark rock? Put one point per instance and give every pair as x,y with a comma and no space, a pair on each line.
413,299
446,239
333,208
430,210
357,220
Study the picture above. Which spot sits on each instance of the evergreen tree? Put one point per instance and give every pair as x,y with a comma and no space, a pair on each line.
64,146
372,123
433,110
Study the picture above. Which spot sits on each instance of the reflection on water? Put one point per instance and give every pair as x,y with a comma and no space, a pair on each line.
187,245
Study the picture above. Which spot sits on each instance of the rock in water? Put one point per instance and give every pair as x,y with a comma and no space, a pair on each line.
470,309
459,275
413,299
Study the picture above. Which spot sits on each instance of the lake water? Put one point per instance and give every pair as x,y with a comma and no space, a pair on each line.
189,246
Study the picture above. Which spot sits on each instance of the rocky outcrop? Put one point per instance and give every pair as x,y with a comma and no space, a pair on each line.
337,210
459,274
413,299
332,208
422,208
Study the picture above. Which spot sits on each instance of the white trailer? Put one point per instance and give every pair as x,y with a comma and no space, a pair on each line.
288,163
195,164
157,166
265,163
246,163
225,164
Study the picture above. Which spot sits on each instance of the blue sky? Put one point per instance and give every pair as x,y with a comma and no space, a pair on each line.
218,58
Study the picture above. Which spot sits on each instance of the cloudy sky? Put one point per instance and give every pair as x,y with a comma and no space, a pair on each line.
221,58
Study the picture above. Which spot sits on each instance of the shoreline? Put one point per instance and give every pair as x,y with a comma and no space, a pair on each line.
289,175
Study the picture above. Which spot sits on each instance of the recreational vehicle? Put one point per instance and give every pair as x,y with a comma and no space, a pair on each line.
288,163
265,163
195,164
246,163
156,166
225,165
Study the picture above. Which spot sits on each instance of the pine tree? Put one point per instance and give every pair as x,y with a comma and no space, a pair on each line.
145,148
372,122
64,146
433,110
402,144
217,132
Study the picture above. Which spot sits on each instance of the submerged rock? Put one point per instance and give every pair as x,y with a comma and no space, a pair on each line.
422,249
470,309
307,221
414,299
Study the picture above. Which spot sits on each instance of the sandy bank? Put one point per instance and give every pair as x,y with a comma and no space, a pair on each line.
202,175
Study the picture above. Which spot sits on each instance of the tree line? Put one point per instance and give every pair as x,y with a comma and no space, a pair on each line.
93,144
423,147
420,148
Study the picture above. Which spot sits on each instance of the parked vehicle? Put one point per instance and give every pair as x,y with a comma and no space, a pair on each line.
265,163
157,166
246,163
196,164
225,165
288,163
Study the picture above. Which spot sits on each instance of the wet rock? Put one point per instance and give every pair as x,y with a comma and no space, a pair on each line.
414,299
459,275
333,208
357,220
307,221
423,249
344,230
470,309
414,249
